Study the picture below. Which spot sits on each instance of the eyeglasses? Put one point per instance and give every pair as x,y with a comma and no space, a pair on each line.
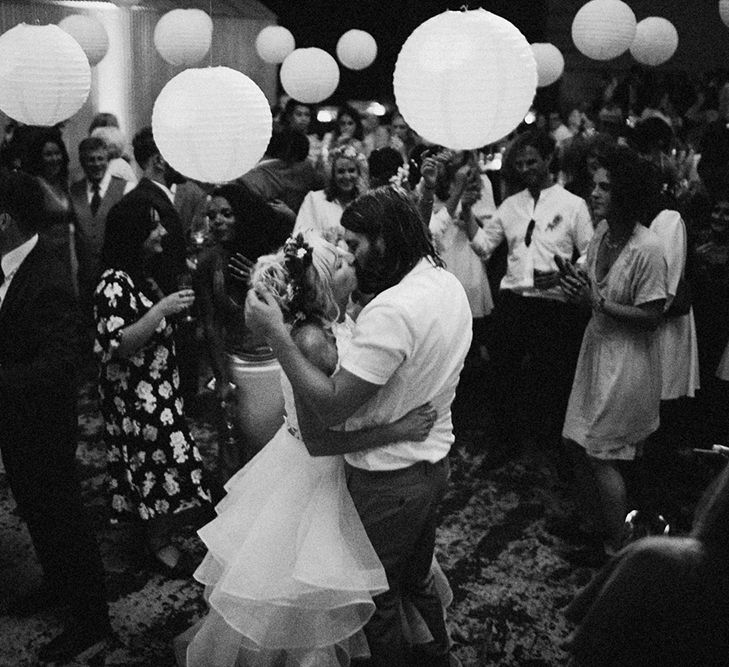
529,232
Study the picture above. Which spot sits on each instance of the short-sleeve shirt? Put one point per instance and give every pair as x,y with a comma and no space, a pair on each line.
412,339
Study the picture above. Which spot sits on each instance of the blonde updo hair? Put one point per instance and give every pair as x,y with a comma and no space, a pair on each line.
299,276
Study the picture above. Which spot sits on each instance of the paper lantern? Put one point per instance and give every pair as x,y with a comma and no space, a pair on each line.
309,75
656,40
550,63
465,79
45,76
183,36
90,33
724,11
603,29
211,124
125,3
356,49
274,43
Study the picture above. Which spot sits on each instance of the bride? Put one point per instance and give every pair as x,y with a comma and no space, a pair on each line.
290,572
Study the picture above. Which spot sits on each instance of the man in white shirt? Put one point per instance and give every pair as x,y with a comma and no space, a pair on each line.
532,317
408,348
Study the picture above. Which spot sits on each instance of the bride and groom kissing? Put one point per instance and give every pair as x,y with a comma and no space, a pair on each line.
324,542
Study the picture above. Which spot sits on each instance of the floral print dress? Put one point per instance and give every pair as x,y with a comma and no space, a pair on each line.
153,465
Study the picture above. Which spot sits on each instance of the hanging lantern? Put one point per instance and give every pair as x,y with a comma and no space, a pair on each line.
309,75
724,11
45,76
603,29
211,124
550,63
125,3
356,49
90,33
656,40
274,43
465,79
183,36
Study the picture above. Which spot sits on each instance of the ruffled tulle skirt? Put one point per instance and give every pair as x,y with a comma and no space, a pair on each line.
290,572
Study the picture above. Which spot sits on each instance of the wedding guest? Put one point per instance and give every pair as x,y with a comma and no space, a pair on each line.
610,414
39,359
321,210
116,148
154,467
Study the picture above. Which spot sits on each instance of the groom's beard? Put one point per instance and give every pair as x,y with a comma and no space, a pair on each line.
371,272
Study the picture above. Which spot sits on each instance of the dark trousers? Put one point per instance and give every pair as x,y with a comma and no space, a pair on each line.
398,511
42,477
536,346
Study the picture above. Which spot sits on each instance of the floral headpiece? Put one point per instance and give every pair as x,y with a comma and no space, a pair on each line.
297,259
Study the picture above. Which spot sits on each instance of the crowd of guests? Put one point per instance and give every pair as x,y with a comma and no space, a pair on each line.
586,280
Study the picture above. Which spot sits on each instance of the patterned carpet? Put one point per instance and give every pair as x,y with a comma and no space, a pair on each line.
508,577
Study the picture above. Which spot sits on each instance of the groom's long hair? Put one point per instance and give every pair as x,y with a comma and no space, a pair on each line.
388,213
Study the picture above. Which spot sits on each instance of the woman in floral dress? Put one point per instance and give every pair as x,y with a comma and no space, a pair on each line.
154,468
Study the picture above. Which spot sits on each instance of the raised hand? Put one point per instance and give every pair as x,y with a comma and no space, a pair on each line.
240,268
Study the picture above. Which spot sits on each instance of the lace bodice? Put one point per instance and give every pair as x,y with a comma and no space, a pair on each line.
343,337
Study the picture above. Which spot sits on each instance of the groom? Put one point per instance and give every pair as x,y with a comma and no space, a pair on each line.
408,348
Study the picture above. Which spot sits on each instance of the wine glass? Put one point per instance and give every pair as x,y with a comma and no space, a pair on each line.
184,281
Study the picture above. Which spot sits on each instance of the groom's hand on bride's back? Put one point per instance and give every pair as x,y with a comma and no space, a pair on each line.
263,314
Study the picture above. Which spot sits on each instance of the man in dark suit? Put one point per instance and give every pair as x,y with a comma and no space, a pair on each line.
39,346
153,198
92,198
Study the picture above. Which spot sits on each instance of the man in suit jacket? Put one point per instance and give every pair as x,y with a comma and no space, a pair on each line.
92,198
39,346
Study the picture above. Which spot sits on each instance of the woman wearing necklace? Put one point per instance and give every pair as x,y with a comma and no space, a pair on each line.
615,399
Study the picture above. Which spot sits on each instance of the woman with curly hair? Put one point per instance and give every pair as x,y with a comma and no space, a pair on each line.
322,210
290,572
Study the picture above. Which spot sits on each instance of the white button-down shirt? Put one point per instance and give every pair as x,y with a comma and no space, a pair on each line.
104,186
11,263
562,224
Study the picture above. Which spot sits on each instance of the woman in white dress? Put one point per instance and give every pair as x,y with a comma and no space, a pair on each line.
615,399
290,572
321,210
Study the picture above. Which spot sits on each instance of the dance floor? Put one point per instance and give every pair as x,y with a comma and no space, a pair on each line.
508,577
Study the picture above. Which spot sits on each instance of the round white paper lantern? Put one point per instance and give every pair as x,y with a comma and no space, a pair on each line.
90,33
465,79
211,124
309,75
656,40
724,11
274,43
125,3
45,76
550,63
356,49
603,29
183,36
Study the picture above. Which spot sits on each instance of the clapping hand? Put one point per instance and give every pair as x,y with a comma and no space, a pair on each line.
575,283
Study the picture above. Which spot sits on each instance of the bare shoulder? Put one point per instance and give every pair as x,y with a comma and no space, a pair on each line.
317,345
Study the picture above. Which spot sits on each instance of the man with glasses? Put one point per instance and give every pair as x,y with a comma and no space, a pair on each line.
533,322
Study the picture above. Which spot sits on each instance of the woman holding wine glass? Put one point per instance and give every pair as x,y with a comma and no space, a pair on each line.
154,468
